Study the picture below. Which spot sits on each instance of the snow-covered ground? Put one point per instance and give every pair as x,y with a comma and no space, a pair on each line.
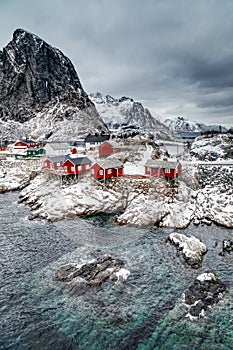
219,145
16,174
204,194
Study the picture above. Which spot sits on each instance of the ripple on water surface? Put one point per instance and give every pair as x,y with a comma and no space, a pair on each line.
142,313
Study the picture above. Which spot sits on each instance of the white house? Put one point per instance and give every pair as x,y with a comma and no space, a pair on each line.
57,148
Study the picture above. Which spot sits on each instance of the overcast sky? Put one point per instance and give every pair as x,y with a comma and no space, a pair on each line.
175,56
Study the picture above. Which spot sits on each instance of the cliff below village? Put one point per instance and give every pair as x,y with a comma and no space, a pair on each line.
138,202
203,194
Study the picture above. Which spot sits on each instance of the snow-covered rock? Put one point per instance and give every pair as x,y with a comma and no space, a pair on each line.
205,291
125,115
181,124
219,145
40,92
192,248
17,174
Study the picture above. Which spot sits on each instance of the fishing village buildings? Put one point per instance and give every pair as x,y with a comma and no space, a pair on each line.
64,160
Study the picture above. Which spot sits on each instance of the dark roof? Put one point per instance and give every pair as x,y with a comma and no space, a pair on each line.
78,160
57,159
96,138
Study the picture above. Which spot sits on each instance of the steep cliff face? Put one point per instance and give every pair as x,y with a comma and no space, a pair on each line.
36,78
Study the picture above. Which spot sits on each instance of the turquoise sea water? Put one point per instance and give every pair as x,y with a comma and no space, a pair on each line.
145,312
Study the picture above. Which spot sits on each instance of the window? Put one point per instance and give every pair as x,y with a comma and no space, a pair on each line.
72,168
101,172
58,164
65,169
167,170
79,167
109,171
92,171
87,166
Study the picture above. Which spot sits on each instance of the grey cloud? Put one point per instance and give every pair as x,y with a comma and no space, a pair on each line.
177,55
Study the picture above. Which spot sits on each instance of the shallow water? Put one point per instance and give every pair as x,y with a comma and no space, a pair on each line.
145,312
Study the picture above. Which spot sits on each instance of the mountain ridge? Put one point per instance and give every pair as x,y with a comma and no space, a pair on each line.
180,124
125,114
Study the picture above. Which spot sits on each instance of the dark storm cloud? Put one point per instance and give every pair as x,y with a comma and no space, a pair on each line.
177,56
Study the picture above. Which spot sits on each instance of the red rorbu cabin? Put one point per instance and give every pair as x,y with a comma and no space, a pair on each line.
107,148
167,168
107,169
152,168
54,164
76,165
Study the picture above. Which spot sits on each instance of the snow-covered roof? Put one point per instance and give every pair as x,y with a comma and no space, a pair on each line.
152,163
113,143
57,159
59,146
156,163
110,163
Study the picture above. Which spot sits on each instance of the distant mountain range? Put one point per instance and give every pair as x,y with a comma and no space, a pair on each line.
124,114
181,125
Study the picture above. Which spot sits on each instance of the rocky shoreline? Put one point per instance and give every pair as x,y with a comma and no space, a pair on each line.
135,202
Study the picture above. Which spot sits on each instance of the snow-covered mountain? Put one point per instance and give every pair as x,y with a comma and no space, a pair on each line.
40,92
126,114
180,125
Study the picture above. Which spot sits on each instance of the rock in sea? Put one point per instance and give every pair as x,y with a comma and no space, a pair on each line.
191,247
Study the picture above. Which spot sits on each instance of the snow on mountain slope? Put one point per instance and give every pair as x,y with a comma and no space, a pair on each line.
180,124
40,92
125,114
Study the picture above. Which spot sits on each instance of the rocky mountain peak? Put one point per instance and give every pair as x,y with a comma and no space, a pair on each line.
38,78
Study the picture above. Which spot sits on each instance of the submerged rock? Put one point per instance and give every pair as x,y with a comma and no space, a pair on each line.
192,248
206,290
92,274
227,247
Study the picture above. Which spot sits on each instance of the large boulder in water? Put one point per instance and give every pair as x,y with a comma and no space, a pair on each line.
92,274
206,290
191,247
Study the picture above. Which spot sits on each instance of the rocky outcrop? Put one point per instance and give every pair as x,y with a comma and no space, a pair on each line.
214,199
227,247
79,279
191,247
205,291
16,176
38,79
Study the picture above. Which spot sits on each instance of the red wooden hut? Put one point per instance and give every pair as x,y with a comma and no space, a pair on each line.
76,165
54,164
107,148
170,169
107,169
152,168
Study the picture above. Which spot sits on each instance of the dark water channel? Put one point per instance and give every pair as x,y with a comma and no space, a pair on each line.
143,313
